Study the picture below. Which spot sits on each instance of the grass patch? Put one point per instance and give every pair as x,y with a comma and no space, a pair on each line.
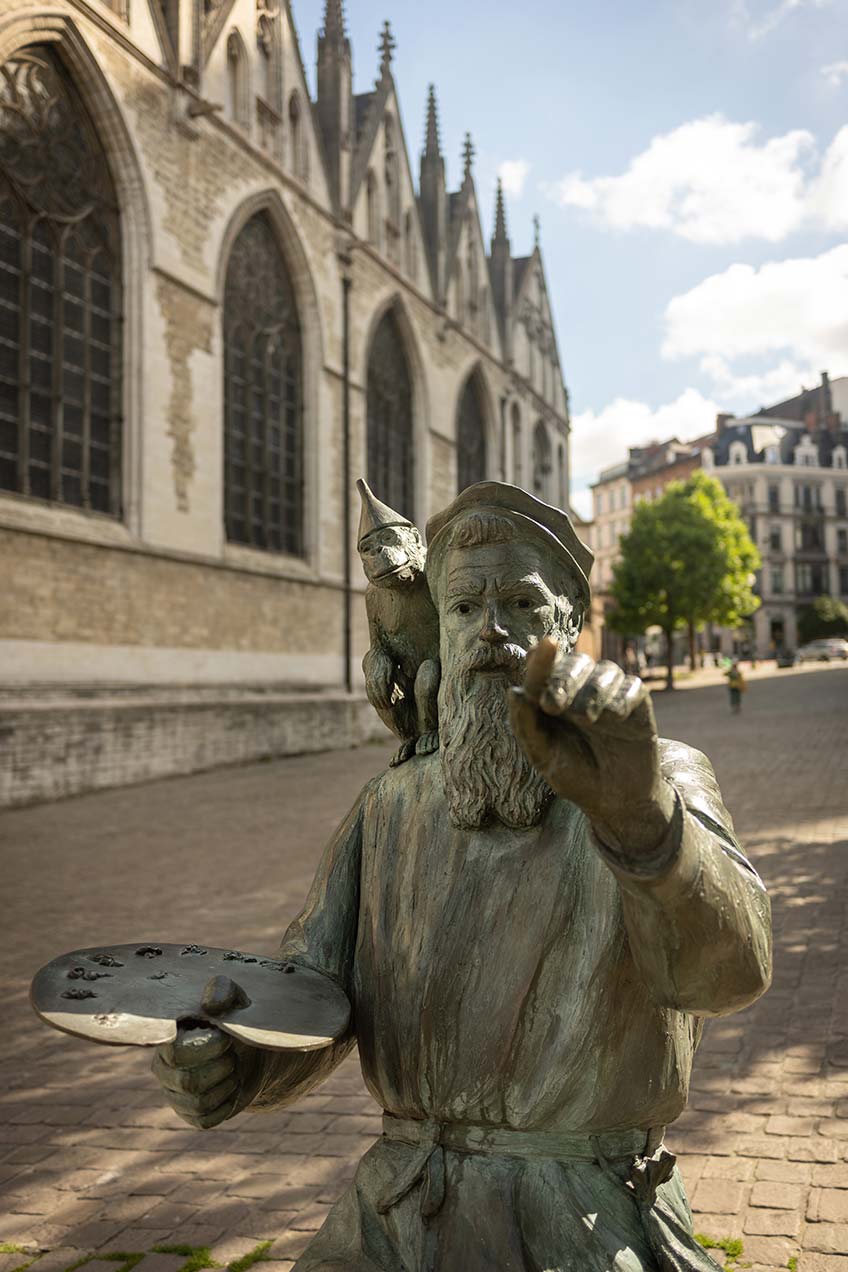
253,1256
793,1263
731,1246
10,1247
197,1257
126,1257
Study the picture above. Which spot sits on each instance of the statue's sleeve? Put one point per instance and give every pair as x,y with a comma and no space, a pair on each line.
699,930
323,937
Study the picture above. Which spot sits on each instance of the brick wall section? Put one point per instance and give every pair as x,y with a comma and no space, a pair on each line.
57,590
66,748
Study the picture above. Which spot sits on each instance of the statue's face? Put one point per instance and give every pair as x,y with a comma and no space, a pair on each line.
392,555
495,596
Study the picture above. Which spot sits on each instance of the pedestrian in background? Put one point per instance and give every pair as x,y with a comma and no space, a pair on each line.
737,685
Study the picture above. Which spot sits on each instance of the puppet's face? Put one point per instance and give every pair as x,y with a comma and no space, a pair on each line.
392,556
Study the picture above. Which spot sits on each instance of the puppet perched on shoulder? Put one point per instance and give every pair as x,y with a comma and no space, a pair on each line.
402,668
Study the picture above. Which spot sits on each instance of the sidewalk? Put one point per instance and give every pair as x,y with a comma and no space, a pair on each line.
93,1165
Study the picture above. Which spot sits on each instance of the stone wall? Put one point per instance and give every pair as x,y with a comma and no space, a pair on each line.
60,745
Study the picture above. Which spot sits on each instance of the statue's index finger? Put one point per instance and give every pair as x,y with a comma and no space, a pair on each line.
540,664
192,1047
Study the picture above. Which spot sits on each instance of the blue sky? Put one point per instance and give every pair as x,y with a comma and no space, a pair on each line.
689,162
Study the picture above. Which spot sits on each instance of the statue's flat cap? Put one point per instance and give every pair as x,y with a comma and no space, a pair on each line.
547,525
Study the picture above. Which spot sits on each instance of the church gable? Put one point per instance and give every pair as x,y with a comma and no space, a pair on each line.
468,291
534,345
384,204
255,70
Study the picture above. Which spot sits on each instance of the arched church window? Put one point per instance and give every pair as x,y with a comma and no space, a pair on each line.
238,80
517,446
459,294
263,395
541,460
373,209
410,245
295,137
389,444
561,476
470,436
392,174
60,293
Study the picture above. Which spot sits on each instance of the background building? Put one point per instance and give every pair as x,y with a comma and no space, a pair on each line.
785,468
220,302
644,476
788,473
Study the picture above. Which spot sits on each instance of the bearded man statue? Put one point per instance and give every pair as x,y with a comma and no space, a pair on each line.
531,924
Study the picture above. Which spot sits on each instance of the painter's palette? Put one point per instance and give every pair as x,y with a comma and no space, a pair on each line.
138,994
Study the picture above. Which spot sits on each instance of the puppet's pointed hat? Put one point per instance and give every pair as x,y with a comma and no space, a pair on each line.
375,514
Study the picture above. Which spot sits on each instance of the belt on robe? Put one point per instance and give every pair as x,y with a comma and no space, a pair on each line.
431,1139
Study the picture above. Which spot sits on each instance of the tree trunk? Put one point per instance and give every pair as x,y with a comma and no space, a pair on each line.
692,655
669,654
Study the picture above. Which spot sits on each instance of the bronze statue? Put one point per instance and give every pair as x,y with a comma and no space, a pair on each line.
402,666
531,925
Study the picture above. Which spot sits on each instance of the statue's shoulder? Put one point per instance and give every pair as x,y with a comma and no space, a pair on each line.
414,781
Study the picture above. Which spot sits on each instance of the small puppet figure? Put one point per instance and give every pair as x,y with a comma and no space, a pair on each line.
402,669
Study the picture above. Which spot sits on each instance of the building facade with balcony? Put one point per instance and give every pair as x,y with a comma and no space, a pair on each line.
789,479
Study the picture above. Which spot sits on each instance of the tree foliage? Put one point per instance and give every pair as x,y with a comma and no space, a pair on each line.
825,617
688,560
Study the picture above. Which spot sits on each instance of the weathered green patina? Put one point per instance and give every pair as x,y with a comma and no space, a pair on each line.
531,925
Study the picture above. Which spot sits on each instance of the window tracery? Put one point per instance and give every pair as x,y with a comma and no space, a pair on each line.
389,445
60,293
263,396
541,460
470,436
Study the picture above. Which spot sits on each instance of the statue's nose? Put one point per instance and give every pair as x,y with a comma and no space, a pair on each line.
492,631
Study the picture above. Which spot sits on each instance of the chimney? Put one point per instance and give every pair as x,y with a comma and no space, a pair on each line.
722,419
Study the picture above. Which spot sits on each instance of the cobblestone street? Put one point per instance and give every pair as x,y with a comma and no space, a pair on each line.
93,1164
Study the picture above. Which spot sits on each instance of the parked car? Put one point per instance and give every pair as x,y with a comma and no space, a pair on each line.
824,650
786,658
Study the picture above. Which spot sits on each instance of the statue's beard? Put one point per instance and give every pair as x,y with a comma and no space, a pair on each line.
486,773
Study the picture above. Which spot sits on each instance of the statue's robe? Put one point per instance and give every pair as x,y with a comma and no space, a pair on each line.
508,981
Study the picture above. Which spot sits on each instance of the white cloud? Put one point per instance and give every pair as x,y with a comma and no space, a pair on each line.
602,438
835,73
828,197
513,174
713,181
761,20
739,322
709,181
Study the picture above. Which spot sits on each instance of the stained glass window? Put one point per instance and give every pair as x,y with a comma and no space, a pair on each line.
541,461
60,293
389,445
470,436
263,396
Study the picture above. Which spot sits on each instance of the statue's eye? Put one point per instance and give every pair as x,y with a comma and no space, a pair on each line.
523,603
463,607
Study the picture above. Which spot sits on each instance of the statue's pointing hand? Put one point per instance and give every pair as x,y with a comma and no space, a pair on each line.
589,730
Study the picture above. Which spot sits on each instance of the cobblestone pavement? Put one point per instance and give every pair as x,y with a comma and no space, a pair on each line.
93,1166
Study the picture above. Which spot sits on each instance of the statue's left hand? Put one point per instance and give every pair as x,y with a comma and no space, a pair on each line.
590,731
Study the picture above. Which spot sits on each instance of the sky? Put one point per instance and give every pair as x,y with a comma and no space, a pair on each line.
689,163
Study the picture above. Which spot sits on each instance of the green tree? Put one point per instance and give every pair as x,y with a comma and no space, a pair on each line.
825,617
688,560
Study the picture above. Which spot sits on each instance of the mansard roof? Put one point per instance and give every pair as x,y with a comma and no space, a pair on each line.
785,434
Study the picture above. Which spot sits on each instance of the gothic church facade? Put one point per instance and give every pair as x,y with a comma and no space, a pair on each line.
221,302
